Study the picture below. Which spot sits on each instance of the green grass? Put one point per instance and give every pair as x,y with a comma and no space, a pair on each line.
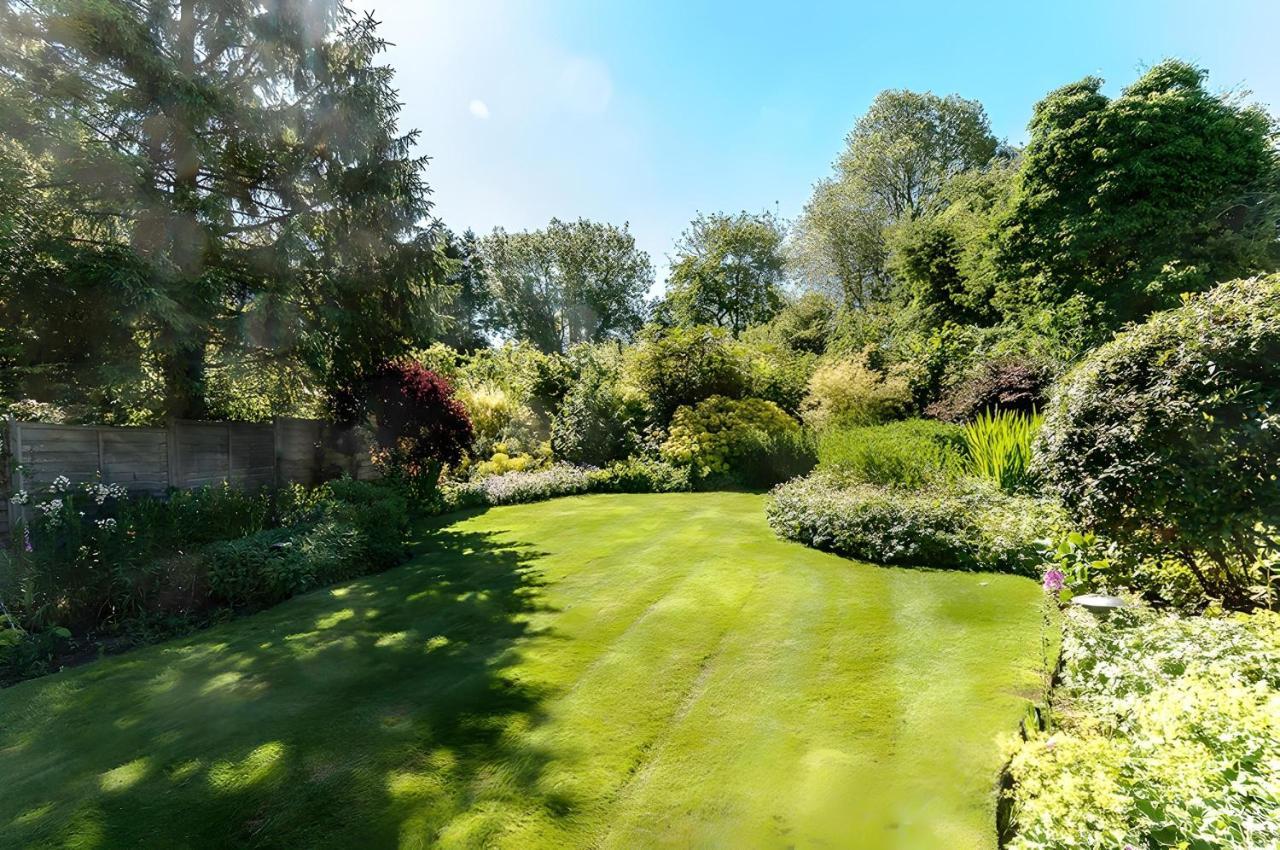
621,671
914,453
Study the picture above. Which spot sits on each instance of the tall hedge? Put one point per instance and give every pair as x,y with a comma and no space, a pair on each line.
1168,437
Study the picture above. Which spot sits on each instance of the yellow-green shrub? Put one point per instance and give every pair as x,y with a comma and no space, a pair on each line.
497,416
711,435
502,462
848,391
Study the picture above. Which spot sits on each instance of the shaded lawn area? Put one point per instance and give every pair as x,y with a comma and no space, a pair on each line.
598,671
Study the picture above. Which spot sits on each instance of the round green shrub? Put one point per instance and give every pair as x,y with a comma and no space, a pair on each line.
711,436
1168,437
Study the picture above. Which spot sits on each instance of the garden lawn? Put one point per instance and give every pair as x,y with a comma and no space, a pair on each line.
623,671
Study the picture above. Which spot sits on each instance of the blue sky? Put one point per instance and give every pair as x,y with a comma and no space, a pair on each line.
648,112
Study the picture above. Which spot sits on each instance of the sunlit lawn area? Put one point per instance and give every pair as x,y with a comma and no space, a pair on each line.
599,671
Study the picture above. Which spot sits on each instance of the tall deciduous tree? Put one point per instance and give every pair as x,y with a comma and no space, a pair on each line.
571,282
896,161
1167,188
228,176
728,271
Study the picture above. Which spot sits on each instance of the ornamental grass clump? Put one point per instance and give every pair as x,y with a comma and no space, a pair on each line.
999,448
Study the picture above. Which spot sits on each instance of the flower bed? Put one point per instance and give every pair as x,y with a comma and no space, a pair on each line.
1165,732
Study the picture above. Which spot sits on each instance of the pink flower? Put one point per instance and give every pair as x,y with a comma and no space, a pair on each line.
1054,580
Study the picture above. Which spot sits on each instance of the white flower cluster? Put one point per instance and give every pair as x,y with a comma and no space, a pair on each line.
61,484
22,497
51,507
100,492
106,524
509,488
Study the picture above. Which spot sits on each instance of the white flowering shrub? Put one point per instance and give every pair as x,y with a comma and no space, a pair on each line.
966,526
510,488
633,475
1167,735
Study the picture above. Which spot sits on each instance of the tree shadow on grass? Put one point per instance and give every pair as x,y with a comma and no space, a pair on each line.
381,713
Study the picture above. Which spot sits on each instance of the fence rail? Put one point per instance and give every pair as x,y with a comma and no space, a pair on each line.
185,455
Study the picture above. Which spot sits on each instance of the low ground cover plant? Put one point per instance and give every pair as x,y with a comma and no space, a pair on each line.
1165,732
634,475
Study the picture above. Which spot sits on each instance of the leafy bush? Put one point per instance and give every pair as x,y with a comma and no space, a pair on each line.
717,434
1167,439
496,416
639,475
964,526
92,556
346,529
773,372
1167,734
417,421
999,448
196,517
672,368
848,391
592,425
96,561
769,458
999,384
377,511
260,569
912,453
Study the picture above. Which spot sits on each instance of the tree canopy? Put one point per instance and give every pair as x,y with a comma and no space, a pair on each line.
896,161
728,271
571,282
1166,189
205,183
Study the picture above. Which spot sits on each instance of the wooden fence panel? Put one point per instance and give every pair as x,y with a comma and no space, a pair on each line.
186,455
48,452
138,458
204,454
8,512
253,455
299,450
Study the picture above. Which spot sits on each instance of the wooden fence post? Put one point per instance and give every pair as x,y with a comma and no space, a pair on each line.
175,468
275,452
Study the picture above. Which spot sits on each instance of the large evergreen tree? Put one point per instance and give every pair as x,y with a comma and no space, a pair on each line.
209,179
470,312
